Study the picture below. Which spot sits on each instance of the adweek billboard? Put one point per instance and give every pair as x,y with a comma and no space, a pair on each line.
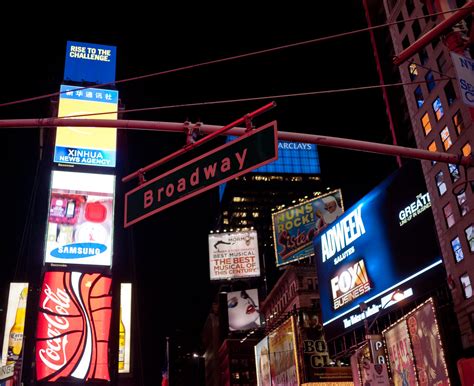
80,221
294,228
386,241
72,334
233,255
243,310
90,62
87,146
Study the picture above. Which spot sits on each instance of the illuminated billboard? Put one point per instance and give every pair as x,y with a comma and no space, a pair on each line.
72,334
90,62
125,327
414,348
233,255
262,363
243,310
283,356
385,242
80,221
294,228
293,158
15,323
89,146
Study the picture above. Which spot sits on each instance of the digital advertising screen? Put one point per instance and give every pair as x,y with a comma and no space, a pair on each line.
90,63
386,242
262,363
294,228
283,356
293,158
15,323
125,329
88,146
80,220
233,255
243,310
72,334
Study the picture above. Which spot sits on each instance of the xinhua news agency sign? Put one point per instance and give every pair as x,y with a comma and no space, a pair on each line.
252,150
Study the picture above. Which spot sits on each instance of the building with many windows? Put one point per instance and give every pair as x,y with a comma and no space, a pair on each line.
440,122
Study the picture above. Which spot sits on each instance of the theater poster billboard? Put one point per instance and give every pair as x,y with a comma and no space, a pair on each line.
294,228
233,255
262,363
72,334
385,242
243,310
87,146
80,220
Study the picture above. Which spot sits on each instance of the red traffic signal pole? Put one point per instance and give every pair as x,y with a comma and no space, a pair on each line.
321,140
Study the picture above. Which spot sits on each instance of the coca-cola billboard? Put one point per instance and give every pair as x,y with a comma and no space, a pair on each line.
73,328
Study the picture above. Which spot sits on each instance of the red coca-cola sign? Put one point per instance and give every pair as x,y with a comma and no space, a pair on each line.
72,334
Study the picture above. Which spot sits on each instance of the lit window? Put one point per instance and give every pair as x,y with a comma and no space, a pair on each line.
438,109
448,215
469,231
413,71
432,147
450,93
255,214
466,285
457,249
458,122
419,97
462,203
226,221
454,172
430,81
237,199
440,183
446,138
466,150
425,121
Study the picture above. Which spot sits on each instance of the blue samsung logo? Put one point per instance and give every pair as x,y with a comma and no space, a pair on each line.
78,250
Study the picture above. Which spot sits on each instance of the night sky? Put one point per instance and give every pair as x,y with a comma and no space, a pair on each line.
166,255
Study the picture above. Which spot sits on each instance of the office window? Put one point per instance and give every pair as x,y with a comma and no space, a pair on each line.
462,203
438,109
450,93
458,122
430,81
400,22
413,71
416,29
419,97
448,215
425,122
466,285
440,183
446,138
432,146
466,149
442,63
423,56
454,172
457,250
405,42
469,231
310,284
410,6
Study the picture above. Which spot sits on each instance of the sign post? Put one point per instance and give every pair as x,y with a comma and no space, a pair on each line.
250,151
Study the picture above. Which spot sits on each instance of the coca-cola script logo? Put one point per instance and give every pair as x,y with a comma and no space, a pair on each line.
73,327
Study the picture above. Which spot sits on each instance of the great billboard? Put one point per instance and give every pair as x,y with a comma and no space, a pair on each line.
80,222
243,310
384,242
87,146
72,333
233,255
294,228
91,63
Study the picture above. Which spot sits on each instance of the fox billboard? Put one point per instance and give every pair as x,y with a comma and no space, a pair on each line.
386,241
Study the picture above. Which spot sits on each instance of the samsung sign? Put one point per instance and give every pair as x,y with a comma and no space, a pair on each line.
366,253
92,63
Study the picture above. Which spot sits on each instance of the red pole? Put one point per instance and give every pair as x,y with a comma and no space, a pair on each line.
408,52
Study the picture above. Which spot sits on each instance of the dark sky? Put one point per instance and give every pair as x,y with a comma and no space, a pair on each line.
170,248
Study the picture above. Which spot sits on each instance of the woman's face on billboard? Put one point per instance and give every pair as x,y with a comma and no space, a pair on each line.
242,311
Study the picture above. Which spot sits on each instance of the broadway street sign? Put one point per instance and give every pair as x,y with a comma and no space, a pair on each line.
252,150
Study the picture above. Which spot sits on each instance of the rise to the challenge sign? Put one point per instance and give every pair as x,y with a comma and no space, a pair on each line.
254,149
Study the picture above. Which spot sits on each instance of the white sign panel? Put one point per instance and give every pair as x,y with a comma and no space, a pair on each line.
233,255
80,222
15,323
465,73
